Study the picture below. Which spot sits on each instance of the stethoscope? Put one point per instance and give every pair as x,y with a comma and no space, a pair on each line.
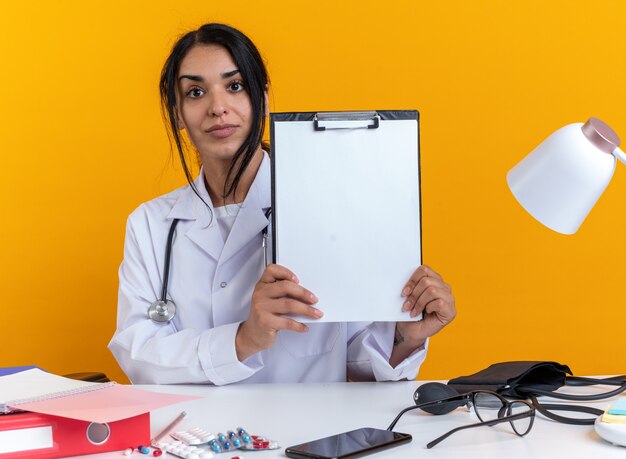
164,310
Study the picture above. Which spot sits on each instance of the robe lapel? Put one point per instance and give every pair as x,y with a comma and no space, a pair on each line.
203,231
251,220
206,235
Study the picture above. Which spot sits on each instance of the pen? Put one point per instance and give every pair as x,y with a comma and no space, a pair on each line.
168,428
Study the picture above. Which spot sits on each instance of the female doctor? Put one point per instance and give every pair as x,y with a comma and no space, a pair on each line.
229,324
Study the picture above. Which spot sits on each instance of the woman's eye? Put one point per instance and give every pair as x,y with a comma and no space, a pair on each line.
236,86
195,93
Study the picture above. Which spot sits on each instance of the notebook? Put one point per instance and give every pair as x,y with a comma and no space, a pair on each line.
40,392
35,385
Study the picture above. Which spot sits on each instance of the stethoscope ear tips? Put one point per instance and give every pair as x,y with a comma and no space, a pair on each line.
162,311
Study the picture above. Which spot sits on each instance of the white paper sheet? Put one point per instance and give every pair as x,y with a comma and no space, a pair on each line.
347,215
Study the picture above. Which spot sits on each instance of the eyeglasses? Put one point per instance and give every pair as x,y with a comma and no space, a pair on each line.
490,407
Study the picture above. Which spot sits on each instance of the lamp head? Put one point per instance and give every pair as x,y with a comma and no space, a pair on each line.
560,181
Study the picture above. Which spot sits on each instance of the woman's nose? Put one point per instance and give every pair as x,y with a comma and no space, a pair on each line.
217,107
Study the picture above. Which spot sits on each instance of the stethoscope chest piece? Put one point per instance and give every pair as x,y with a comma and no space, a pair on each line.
162,311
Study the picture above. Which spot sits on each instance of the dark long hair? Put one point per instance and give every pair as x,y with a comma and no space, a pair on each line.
254,75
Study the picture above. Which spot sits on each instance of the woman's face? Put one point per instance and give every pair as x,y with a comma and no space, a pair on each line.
213,102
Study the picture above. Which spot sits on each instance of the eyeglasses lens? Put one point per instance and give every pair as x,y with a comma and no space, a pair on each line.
487,406
490,407
523,425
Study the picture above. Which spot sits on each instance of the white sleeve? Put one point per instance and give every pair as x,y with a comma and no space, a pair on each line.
369,349
154,353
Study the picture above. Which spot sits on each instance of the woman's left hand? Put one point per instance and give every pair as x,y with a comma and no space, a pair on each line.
426,293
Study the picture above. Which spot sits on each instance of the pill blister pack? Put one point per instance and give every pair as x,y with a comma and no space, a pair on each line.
193,437
197,443
219,443
178,448
260,443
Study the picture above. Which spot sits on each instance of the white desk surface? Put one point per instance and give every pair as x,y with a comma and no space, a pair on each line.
295,413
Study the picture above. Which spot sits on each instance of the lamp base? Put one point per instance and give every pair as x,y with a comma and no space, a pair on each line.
613,433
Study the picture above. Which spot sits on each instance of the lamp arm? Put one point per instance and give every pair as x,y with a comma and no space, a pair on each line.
619,154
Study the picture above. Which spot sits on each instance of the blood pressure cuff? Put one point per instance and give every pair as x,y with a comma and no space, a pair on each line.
514,379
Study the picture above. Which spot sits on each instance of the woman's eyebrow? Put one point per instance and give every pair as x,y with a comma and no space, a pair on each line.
191,77
229,74
200,79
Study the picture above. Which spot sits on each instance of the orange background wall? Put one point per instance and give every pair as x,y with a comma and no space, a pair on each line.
83,144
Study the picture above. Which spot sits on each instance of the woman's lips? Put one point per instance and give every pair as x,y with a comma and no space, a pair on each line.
222,131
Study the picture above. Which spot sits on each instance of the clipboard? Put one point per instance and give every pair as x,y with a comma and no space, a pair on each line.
346,206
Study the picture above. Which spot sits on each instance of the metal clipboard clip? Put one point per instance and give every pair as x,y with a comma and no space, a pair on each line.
345,120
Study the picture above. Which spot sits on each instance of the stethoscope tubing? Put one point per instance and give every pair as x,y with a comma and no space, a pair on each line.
168,256
168,315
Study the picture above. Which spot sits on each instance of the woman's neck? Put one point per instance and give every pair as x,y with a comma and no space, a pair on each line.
215,175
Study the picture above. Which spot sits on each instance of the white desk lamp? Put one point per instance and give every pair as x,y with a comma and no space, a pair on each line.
559,181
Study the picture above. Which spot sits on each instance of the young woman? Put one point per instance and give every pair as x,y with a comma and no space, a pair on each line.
230,324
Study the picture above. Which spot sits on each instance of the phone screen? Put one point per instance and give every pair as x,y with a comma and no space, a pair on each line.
355,443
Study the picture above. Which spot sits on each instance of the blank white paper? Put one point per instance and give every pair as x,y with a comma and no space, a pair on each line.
347,215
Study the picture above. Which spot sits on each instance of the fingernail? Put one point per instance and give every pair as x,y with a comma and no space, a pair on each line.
406,291
295,279
318,313
406,306
314,299
305,328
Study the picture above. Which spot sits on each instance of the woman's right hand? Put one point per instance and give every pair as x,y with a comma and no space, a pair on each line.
278,292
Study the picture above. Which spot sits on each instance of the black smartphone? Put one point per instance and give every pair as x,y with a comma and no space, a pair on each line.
356,443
